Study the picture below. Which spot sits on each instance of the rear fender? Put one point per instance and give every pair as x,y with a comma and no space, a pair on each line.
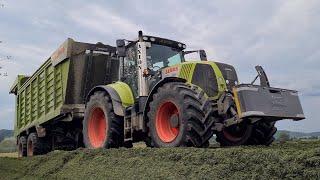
120,94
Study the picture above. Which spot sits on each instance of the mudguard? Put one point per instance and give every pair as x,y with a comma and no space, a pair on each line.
120,94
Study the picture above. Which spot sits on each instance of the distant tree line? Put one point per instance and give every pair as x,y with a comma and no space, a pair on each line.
284,136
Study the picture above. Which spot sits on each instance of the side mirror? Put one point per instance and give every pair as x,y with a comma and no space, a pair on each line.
121,48
203,55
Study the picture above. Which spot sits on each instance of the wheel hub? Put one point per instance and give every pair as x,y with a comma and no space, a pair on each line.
235,132
174,121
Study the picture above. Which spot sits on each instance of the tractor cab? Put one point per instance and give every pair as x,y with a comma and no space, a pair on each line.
142,60
148,60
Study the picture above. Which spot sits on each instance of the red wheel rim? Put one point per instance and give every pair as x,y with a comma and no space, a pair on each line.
97,128
231,137
166,132
235,133
30,148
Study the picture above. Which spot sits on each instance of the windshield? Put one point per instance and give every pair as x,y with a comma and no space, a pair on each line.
159,56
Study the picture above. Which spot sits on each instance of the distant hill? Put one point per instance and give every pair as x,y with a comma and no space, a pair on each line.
4,133
298,135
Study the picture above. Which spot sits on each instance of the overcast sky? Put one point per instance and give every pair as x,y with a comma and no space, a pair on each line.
282,36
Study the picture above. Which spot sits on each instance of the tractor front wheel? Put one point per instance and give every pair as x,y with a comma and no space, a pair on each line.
234,135
178,116
262,133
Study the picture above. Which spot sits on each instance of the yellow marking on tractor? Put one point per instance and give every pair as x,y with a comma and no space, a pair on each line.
236,100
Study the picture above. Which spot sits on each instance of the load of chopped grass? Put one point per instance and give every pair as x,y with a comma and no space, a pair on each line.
291,160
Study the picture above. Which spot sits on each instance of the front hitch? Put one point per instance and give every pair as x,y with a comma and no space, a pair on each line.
226,108
272,103
258,102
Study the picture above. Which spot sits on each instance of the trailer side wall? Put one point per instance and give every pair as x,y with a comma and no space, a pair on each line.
42,96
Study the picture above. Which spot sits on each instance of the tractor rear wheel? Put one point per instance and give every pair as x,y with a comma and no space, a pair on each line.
102,128
22,146
234,135
262,133
178,116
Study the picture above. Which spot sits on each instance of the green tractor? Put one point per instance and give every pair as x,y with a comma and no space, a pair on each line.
166,101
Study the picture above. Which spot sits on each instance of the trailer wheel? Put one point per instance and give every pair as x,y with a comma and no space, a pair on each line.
234,135
102,128
262,133
22,147
36,146
178,116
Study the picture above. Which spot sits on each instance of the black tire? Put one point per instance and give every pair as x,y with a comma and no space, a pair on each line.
108,136
188,109
205,144
36,145
262,133
234,135
22,146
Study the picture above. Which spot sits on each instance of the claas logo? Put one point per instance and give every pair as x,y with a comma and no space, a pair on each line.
171,69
